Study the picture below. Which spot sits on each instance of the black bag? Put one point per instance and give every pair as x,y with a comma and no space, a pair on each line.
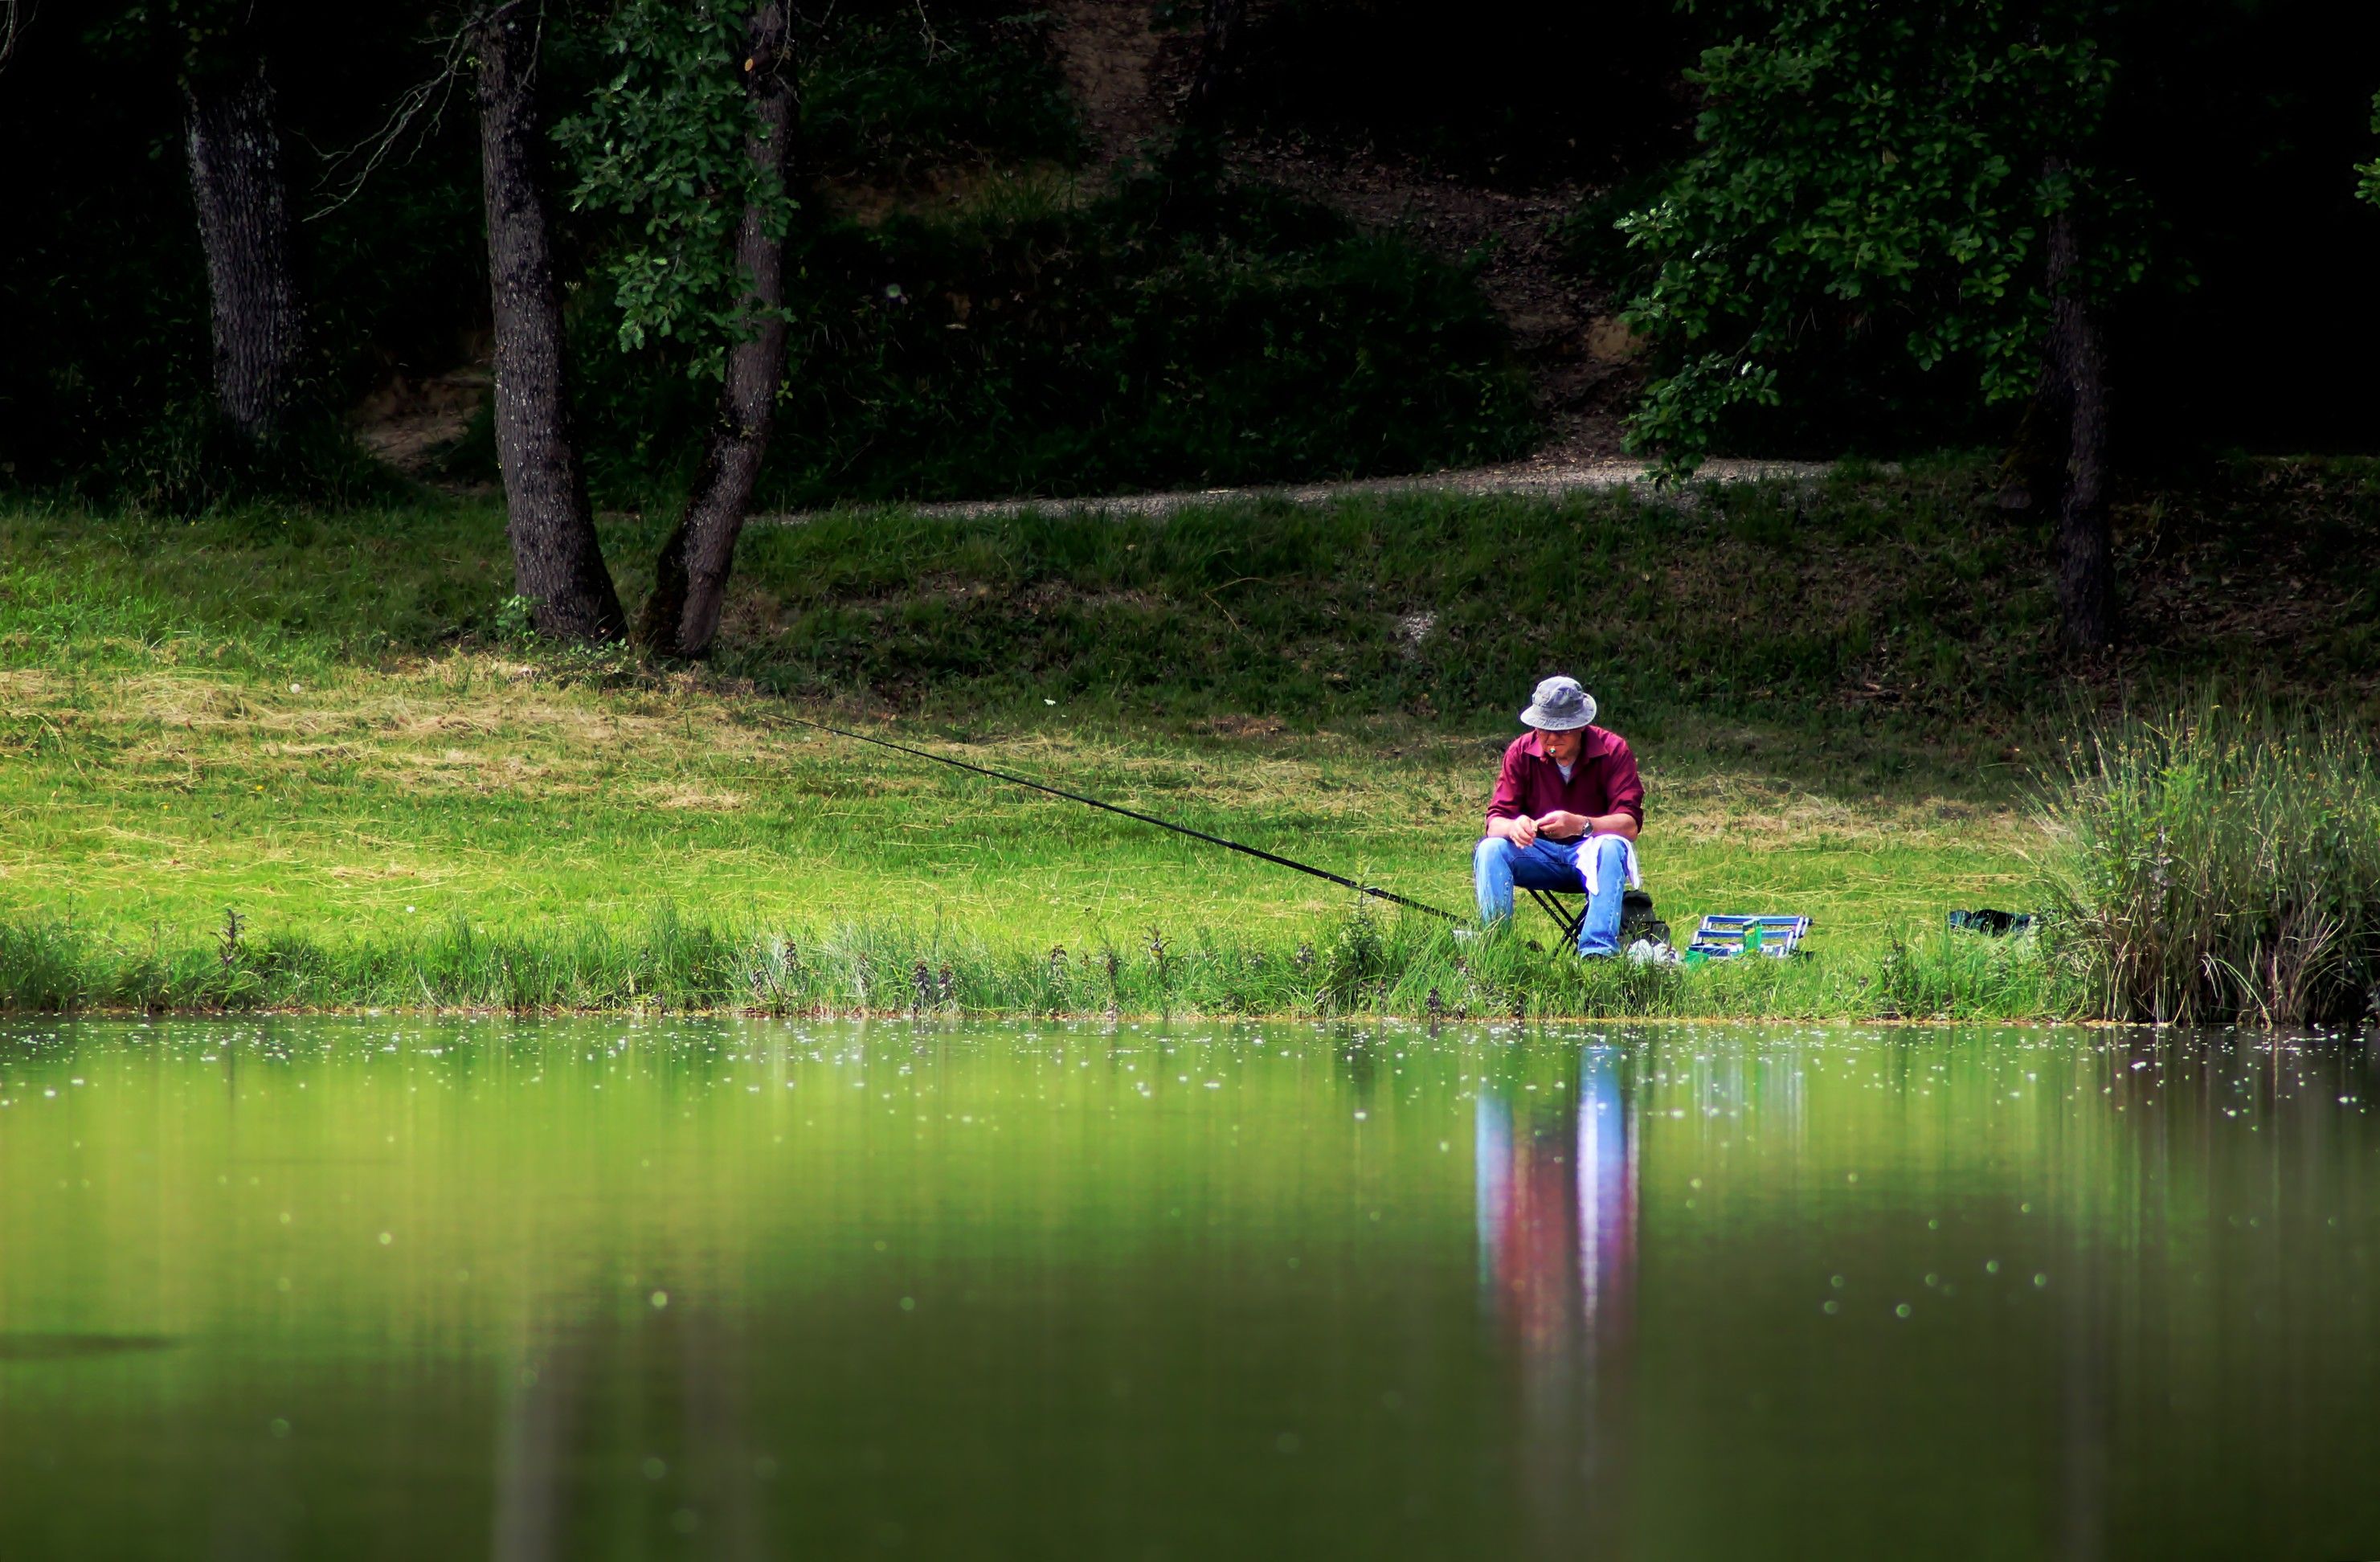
1637,921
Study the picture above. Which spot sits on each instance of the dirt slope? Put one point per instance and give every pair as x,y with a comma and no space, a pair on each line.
1128,76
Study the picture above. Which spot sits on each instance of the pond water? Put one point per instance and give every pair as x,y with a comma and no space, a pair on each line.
622,1288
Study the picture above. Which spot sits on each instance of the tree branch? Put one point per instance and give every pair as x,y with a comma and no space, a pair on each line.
414,120
14,16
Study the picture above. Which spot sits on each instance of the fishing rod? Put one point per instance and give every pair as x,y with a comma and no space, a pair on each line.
1388,895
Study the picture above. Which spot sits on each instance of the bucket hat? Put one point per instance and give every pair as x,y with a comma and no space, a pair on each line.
1559,705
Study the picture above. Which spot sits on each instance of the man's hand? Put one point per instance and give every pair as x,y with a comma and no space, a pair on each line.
1521,832
1562,826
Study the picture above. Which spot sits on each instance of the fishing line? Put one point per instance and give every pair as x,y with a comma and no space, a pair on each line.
1388,895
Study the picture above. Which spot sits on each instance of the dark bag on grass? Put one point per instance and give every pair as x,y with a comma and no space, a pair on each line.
1637,921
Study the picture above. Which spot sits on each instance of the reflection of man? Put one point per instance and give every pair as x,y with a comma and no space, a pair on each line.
1556,1218
1567,809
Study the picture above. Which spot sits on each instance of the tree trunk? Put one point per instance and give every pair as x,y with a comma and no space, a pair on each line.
556,563
2086,566
690,578
243,203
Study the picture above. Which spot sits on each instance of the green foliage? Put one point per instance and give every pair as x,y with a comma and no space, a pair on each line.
1029,343
1406,966
192,34
2370,186
104,384
662,144
189,461
1868,173
884,99
1954,975
2222,862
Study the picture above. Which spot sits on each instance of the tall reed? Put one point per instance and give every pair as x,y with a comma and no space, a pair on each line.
2220,862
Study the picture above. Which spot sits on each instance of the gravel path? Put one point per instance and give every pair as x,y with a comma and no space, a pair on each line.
1538,478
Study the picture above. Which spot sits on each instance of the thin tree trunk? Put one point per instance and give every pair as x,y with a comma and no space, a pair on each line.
556,562
243,203
2086,567
690,578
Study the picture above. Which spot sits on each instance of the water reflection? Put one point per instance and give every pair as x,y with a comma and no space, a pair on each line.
431,1288
1555,1170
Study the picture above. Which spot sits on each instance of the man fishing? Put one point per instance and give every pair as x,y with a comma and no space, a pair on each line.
1565,817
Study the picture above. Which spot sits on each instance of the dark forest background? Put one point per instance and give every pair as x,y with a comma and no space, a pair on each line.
990,300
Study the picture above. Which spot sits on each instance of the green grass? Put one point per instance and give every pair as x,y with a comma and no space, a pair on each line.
2222,862
382,806
1353,963
315,721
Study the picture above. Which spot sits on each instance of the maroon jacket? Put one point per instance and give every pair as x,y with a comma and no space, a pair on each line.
1603,782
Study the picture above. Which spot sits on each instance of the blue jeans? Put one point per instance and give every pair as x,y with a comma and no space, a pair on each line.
1561,866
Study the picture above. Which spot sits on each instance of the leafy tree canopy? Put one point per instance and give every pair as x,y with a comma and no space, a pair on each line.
1868,171
662,144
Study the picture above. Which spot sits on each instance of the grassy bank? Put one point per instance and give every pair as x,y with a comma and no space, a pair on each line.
373,811
2220,862
320,724
1350,963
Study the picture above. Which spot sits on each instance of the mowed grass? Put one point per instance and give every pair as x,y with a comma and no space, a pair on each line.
367,801
321,721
